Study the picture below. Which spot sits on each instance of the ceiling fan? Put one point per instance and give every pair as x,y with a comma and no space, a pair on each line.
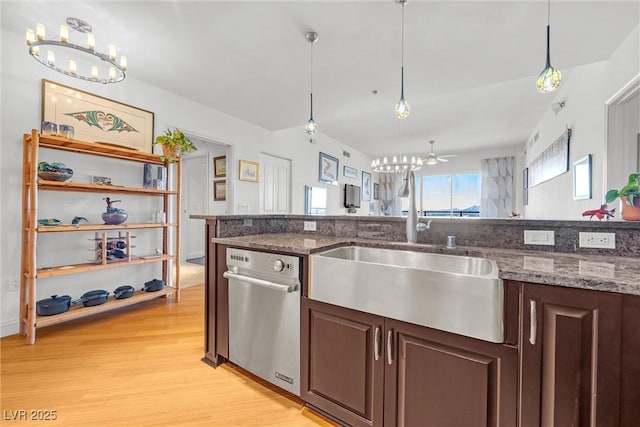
433,159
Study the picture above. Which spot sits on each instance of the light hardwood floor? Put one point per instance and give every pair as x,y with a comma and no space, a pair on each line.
140,366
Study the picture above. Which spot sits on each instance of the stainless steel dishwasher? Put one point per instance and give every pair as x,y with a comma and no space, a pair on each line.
264,315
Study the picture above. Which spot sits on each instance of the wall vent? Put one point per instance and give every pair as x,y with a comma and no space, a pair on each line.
346,153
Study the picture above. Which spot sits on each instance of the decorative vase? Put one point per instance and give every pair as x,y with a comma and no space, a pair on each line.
114,218
630,212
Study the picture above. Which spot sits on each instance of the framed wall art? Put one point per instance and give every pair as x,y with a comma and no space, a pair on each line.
328,169
350,172
552,162
582,178
220,190
249,171
220,166
97,119
376,191
366,186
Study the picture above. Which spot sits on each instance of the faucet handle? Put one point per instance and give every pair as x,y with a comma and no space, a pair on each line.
421,226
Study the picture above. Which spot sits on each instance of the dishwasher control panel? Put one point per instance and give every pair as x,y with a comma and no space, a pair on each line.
263,263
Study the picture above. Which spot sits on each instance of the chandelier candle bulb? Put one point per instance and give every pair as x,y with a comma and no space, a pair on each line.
31,36
73,69
40,31
64,34
51,57
112,52
112,74
91,41
123,62
94,72
35,50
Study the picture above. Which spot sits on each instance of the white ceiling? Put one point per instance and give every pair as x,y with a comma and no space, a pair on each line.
470,66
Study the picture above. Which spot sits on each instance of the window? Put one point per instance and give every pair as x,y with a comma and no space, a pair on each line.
447,195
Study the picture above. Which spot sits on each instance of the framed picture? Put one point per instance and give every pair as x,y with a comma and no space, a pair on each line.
376,191
582,178
366,186
220,190
525,178
328,169
220,166
525,197
97,119
249,171
350,172
552,162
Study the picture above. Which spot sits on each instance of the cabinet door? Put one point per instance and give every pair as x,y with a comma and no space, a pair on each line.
342,368
434,378
570,357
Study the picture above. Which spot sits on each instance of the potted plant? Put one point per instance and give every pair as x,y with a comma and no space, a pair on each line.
173,144
629,198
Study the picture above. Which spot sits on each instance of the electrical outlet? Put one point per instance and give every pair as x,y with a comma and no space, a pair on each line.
597,240
243,207
309,226
539,237
248,222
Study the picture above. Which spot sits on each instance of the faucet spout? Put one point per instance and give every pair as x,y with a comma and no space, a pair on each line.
408,189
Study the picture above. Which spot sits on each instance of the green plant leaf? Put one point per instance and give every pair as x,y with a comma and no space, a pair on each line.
611,196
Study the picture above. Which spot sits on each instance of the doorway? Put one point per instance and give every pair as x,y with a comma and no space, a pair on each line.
195,175
275,187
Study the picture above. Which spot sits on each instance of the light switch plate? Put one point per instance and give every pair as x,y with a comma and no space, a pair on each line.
309,226
597,240
539,237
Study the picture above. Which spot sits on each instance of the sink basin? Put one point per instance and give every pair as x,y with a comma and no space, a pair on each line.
457,294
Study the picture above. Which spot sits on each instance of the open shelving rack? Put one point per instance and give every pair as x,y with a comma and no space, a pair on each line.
29,320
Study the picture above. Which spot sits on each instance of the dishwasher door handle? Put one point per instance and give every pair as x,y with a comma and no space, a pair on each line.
260,282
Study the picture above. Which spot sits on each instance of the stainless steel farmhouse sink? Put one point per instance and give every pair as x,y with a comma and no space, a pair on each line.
458,294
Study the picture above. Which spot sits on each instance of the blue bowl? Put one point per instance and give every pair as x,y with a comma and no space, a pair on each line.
114,218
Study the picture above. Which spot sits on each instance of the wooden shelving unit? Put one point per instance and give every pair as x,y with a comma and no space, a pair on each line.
29,321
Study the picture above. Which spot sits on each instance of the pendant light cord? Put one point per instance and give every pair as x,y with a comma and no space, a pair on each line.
548,32
311,79
402,56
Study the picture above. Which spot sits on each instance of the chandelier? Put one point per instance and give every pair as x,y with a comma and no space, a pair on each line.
397,164
82,62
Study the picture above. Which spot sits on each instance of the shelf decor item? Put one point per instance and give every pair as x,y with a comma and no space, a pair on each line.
54,171
113,216
174,143
629,198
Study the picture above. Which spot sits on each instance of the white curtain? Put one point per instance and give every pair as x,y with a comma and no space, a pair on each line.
497,187
390,203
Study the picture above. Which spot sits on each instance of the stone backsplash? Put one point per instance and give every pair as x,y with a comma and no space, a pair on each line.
489,233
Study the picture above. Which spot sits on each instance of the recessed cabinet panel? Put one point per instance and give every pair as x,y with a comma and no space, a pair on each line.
570,357
340,373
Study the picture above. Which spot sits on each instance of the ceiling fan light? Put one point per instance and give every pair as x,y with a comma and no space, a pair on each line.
432,160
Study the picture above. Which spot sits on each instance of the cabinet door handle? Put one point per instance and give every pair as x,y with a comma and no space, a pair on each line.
533,328
390,347
376,344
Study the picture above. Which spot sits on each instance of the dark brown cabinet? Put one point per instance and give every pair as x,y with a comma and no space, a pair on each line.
370,371
570,357
342,362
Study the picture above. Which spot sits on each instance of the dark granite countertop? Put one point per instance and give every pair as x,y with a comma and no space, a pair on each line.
595,272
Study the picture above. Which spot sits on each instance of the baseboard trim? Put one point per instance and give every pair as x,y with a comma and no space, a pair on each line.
9,327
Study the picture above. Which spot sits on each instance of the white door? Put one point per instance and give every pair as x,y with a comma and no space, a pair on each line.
275,187
194,201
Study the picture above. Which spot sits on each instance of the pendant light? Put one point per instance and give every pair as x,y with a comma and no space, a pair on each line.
402,108
549,78
310,127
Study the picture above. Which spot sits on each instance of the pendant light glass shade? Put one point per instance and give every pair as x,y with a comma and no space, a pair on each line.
402,108
310,127
549,78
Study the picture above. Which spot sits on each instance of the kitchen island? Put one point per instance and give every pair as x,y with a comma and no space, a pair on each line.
571,350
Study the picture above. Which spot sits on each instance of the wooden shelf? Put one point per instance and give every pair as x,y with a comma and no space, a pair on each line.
97,148
82,268
79,311
97,188
95,227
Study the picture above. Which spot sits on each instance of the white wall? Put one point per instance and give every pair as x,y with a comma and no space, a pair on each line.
294,144
585,90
